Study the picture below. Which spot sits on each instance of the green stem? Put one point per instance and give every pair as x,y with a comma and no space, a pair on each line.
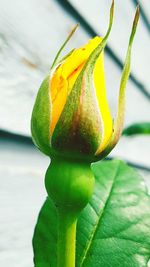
66,239
70,185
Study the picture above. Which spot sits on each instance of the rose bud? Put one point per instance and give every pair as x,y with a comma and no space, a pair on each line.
71,117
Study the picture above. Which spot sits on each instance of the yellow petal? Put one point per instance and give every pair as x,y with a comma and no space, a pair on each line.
65,76
100,86
59,95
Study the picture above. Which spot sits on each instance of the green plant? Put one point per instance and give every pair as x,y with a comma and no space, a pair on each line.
72,124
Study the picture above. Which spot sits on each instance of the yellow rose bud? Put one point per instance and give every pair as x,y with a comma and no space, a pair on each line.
63,80
71,116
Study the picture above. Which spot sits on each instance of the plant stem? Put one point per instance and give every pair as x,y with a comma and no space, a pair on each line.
66,239
70,185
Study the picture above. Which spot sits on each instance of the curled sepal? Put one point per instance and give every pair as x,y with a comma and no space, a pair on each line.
118,125
40,120
63,45
77,132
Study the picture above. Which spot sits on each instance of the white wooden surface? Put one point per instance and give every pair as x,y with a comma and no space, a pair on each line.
22,194
145,4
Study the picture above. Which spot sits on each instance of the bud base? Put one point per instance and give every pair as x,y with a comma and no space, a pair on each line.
70,184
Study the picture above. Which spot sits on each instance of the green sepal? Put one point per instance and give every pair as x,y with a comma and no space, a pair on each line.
78,131
62,47
124,79
118,124
40,121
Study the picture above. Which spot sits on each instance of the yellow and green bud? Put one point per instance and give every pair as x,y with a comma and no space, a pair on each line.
71,116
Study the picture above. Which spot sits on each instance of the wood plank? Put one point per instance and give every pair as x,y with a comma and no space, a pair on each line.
145,4
22,194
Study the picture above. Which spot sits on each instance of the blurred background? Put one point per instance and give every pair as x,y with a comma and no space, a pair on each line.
31,32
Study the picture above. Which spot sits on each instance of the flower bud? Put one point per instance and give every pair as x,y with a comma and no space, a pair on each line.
71,116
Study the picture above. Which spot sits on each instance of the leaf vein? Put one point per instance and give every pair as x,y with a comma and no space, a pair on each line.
125,239
89,242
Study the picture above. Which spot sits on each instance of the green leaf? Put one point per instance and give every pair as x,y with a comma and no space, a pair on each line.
45,236
137,128
114,228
